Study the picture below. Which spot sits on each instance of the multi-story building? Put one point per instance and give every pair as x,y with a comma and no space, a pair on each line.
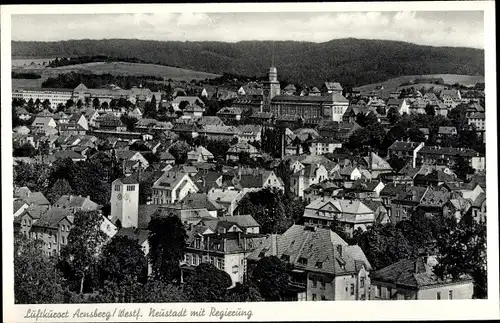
407,150
447,156
323,266
172,187
352,214
414,279
222,243
320,146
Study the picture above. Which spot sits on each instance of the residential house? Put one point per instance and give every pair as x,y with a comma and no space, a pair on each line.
63,154
320,146
79,118
451,98
68,129
172,187
167,158
322,265
136,113
131,160
257,179
22,113
76,203
199,155
202,201
249,133
236,150
405,203
447,156
91,115
219,132
457,208
406,149
307,176
23,130
331,87
414,279
402,106
110,122
478,120
232,113
479,208
193,111
352,214
190,100
229,198
221,243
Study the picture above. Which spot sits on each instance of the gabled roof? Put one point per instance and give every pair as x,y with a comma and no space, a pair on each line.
404,145
36,198
315,250
409,273
141,235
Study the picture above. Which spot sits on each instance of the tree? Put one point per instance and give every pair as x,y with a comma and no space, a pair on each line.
393,115
397,163
429,110
271,276
70,103
96,104
462,251
268,207
34,176
167,240
157,291
123,261
87,101
58,189
79,104
46,104
207,284
244,293
129,122
184,104
384,245
36,279
84,243
179,150
25,150
462,168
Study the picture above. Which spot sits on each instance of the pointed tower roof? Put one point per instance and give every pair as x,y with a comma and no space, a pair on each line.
81,87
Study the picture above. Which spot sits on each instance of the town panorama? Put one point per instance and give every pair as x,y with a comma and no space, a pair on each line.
241,189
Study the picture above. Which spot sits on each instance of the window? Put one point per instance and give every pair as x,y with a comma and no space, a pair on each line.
377,291
450,294
362,282
193,260
117,187
389,293
314,297
438,295
352,289
235,269
130,188
314,283
323,284
303,261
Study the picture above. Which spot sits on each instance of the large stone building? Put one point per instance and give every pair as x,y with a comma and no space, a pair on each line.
330,106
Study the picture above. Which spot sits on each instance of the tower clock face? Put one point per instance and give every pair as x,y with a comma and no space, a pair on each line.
126,197
119,196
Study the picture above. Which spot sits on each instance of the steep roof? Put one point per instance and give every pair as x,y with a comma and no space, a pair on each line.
316,250
404,145
409,273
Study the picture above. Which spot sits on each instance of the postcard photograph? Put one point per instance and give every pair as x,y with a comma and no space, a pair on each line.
197,162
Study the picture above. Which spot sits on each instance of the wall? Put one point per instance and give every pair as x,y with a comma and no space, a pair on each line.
343,287
237,259
460,291
328,292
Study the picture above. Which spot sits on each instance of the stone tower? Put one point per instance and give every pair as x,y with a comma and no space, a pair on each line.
271,88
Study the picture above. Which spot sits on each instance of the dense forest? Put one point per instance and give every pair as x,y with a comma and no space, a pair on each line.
27,75
95,81
65,61
353,62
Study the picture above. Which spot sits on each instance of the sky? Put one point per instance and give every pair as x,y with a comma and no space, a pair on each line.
435,28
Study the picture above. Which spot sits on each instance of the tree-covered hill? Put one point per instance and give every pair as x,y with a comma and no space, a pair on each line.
353,62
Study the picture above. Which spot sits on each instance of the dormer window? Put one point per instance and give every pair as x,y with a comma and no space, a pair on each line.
319,264
285,257
302,261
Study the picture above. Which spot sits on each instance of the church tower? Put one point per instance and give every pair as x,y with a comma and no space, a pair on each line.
125,202
271,88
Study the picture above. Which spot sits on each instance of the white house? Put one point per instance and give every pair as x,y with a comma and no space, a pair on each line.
172,187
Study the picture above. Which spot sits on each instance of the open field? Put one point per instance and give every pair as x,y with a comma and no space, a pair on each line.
115,68
394,83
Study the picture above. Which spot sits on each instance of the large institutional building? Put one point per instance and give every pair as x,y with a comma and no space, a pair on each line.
81,92
331,105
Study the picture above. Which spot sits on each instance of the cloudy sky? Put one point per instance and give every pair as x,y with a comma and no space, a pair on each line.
437,28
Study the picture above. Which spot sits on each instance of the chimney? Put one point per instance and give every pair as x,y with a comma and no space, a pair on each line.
274,244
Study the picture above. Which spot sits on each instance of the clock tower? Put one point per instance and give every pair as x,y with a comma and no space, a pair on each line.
271,88
125,202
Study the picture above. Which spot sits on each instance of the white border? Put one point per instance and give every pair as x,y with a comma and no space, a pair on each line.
304,311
